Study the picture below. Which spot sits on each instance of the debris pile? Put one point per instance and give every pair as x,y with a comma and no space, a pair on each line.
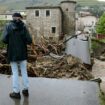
4,67
52,66
44,45
47,60
64,67
102,56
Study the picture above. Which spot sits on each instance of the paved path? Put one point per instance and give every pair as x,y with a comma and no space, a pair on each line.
52,92
99,72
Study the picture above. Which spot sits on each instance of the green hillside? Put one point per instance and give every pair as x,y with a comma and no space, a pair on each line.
21,4
90,2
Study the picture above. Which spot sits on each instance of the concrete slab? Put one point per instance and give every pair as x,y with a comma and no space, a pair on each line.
52,92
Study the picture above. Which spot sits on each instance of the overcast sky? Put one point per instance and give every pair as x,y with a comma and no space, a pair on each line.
101,0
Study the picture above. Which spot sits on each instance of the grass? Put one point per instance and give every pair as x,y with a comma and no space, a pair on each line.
102,98
102,40
2,45
2,24
95,45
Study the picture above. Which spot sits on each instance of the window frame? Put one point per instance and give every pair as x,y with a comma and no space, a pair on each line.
37,13
48,13
53,30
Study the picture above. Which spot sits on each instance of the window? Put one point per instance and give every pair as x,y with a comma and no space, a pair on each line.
47,12
66,9
53,29
37,13
6,16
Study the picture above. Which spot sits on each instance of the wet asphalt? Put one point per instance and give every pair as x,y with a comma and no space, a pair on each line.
45,91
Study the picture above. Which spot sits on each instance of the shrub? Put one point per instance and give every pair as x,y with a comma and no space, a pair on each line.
100,28
2,24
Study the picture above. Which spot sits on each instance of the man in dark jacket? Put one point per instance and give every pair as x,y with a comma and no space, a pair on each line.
16,36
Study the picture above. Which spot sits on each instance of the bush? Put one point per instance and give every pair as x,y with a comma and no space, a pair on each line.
95,45
2,24
100,28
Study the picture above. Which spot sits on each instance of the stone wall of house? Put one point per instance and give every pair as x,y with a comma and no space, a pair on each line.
68,10
49,26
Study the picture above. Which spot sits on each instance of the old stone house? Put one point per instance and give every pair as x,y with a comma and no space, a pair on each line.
52,21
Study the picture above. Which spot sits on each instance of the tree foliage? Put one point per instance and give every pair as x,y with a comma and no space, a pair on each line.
100,29
2,24
97,10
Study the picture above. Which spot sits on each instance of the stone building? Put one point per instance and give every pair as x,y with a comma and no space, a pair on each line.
51,21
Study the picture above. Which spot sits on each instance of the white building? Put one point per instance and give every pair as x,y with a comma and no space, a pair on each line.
8,16
5,16
87,22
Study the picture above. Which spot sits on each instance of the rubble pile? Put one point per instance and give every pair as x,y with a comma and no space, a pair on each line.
44,49
4,66
47,60
44,45
102,56
50,66
64,67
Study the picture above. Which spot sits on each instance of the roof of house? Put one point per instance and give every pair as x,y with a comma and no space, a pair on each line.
69,1
50,6
44,7
6,14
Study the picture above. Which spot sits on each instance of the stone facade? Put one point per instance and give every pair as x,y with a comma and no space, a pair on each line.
46,21
51,21
68,15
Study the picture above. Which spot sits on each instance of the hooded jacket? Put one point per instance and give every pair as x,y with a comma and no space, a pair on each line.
16,36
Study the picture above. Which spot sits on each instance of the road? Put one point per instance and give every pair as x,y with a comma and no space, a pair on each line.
44,91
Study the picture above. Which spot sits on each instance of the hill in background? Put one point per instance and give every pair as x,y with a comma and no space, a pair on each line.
21,4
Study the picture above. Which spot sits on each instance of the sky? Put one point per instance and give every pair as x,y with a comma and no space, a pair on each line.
101,0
